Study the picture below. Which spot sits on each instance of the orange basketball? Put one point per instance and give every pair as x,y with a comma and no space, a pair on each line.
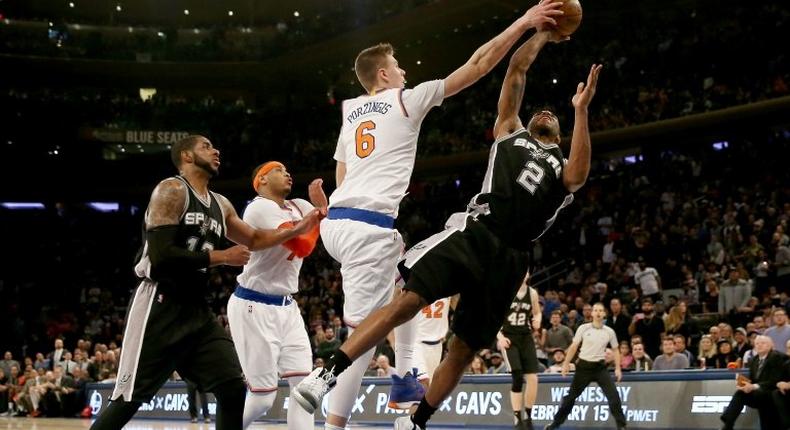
571,18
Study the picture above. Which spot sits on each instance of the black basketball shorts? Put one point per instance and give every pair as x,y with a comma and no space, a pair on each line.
522,355
475,263
164,334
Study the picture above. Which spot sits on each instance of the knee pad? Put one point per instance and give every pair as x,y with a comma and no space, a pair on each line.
518,381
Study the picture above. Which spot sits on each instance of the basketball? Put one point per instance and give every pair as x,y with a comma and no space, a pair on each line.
571,19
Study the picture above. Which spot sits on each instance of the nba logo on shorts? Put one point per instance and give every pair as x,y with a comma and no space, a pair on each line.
249,308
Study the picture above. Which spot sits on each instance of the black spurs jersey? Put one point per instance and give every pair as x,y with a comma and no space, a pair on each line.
523,191
201,227
519,317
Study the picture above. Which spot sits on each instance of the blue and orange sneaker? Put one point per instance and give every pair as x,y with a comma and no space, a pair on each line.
406,391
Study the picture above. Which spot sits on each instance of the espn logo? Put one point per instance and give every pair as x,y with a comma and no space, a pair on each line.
709,404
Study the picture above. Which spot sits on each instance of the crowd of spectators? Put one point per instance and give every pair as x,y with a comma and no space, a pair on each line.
663,66
240,38
708,228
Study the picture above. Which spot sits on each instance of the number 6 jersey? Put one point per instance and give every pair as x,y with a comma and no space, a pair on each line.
378,143
523,191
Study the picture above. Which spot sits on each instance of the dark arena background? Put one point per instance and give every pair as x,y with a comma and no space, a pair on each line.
690,176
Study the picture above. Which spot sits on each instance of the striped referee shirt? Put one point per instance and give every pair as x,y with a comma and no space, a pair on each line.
594,341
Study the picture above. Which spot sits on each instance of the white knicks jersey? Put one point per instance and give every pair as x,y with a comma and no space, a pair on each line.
433,321
274,270
378,143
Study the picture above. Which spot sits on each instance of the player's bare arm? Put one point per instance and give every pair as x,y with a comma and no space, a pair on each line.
491,53
512,93
340,173
578,168
256,239
537,312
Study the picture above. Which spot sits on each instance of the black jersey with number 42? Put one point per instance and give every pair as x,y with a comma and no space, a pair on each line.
523,191
201,227
519,317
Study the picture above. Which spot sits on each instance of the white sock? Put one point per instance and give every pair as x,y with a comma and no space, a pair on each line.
298,418
256,405
405,338
331,427
343,396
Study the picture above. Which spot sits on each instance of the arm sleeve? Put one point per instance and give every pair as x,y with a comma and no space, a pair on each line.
165,254
419,100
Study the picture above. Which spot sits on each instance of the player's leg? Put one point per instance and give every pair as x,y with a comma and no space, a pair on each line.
210,360
345,393
514,360
781,402
146,361
530,366
294,363
253,327
367,273
405,337
192,399
116,415
445,379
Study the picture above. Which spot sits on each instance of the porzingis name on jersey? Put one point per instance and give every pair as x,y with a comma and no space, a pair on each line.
206,223
369,107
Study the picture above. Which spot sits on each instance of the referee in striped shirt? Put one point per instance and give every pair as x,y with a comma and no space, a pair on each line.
594,337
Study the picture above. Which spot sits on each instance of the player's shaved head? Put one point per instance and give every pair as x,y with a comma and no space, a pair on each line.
368,63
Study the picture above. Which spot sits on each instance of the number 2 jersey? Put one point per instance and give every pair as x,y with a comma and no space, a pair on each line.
201,227
523,191
378,143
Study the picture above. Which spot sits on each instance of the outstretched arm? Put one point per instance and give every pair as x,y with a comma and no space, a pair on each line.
255,238
578,167
491,53
512,93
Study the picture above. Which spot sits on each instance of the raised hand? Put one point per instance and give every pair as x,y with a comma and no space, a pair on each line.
585,93
542,14
317,196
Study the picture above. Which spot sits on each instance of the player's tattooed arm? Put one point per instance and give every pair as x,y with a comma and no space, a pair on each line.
167,204
255,239
512,93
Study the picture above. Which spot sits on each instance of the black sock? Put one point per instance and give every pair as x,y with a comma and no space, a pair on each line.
230,404
517,416
423,413
528,413
337,363
116,415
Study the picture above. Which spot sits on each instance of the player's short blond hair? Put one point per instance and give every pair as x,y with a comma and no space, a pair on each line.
368,63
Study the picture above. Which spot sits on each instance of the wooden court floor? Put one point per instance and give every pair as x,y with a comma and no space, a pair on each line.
81,423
